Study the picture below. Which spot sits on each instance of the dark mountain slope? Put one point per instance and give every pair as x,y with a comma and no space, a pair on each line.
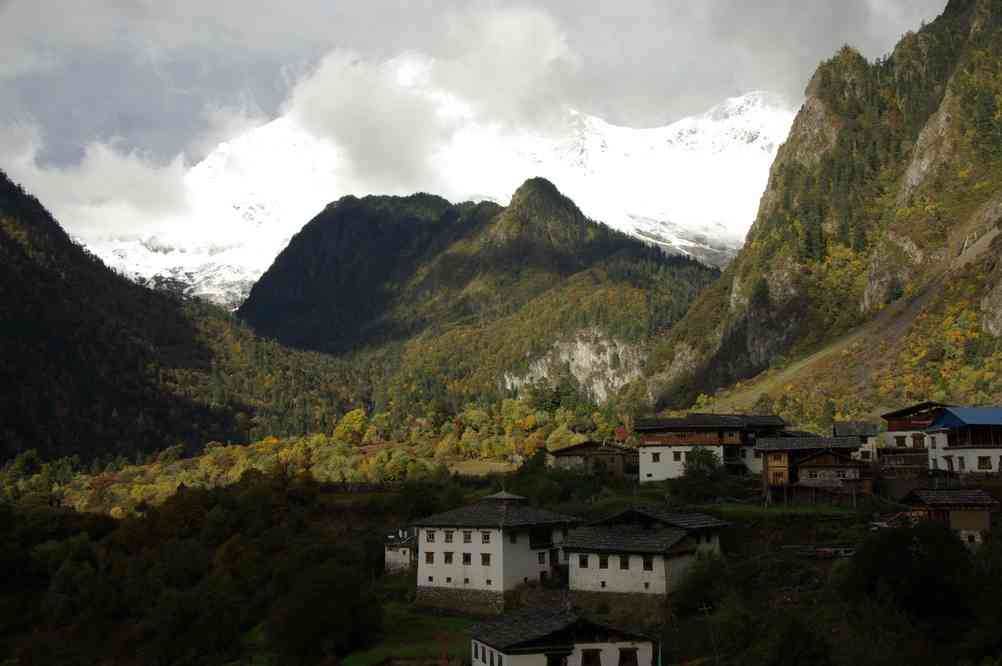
93,364
469,301
887,189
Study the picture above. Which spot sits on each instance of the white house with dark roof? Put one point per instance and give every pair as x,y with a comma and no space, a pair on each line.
966,440
555,637
471,557
400,550
644,550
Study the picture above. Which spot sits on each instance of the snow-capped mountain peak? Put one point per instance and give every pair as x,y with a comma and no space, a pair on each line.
690,187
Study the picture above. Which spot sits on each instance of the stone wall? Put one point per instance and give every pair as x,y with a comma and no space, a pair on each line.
623,609
478,602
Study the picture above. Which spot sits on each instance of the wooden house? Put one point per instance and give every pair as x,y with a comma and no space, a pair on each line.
596,458
556,637
665,442
640,551
474,557
906,427
813,469
968,512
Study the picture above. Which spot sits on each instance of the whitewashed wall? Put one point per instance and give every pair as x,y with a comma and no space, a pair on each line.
397,559
667,467
609,654
454,575
633,580
939,451
890,437
521,563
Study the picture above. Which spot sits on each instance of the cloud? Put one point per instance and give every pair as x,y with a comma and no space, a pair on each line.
109,192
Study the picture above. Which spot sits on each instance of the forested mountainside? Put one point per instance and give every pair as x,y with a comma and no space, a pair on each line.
94,364
465,302
878,222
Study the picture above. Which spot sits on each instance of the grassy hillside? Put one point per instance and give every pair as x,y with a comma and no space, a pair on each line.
95,365
872,249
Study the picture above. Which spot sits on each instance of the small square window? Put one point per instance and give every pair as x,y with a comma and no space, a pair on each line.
677,456
431,579
648,563
655,457
485,537
624,562
485,559
488,582
542,557
466,581
448,536
467,536
448,557
984,463
603,561
430,536
448,579
583,561
429,557
467,558
602,583
647,586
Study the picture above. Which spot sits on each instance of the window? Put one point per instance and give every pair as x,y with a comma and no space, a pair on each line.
602,584
513,537
971,538
961,463
676,456
448,557
985,462
500,660
900,441
840,473
492,658
466,581
430,536
448,536
542,557
864,455
776,458
591,658
935,463
431,579
918,441
467,536
603,561
429,557
647,586
488,582
485,537
655,457
628,657
758,454
485,559
813,474
448,579
583,561
648,563
476,651
467,559
624,562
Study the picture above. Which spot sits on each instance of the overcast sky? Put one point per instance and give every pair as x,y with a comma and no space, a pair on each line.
113,98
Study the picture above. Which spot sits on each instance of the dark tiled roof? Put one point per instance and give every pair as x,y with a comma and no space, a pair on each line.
709,422
685,520
495,511
527,625
585,447
855,429
953,417
623,539
952,497
806,443
913,409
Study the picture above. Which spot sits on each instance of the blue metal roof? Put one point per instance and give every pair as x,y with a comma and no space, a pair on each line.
956,417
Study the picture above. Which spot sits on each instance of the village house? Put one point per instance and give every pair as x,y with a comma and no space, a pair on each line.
809,469
555,637
473,556
400,550
665,442
867,433
967,512
595,458
640,551
906,427
966,440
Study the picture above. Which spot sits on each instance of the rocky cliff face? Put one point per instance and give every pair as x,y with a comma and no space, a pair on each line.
872,195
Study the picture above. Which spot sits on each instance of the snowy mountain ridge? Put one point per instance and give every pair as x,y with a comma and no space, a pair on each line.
691,187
